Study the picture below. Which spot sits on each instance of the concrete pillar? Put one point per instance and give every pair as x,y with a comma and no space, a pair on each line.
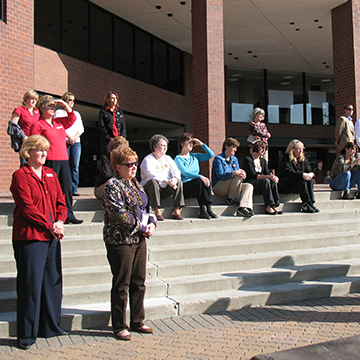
346,55
208,73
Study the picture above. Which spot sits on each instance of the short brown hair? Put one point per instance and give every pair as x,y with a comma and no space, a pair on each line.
118,141
230,142
33,142
121,155
258,144
43,101
184,137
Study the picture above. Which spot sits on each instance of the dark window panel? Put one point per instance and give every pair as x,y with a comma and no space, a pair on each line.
2,10
160,64
47,24
75,29
142,56
175,70
123,48
101,38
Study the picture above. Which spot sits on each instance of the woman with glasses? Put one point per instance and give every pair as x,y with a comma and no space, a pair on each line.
73,143
161,177
195,185
57,156
23,117
264,182
128,221
296,176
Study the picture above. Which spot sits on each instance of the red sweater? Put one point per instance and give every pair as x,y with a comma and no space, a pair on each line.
55,134
26,119
35,199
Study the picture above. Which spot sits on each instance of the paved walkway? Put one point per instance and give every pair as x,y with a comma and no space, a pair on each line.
239,334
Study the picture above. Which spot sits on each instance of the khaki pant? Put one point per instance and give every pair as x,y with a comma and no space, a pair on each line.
234,188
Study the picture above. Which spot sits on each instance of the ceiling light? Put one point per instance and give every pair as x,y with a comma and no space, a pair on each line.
169,15
182,3
158,7
325,80
236,75
288,77
285,83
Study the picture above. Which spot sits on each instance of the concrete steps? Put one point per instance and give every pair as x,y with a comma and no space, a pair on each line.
197,266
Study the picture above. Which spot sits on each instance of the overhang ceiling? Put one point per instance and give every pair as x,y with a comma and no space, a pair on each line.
288,35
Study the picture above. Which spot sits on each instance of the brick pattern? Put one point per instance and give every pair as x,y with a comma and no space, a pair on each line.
239,334
16,74
208,73
346,56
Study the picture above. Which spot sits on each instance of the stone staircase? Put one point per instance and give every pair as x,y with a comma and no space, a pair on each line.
197,266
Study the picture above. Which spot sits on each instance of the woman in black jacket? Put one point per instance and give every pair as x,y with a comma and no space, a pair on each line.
295,176
264,182
111,121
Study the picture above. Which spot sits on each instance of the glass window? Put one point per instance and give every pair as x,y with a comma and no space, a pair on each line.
175,70
160,64
321,98
123,48
75,29
142,56
101,38
2,10
47,21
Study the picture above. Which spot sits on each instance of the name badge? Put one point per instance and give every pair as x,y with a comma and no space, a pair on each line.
59,127
49,175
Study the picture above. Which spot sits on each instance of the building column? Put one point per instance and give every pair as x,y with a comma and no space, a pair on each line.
208,73
346,56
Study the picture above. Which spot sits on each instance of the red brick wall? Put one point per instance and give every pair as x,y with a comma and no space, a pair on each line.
343,57
208,72
16,74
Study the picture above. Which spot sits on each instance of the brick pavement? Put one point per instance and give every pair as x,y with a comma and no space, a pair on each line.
231,335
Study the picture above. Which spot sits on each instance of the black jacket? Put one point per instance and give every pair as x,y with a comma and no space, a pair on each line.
248,166
105,126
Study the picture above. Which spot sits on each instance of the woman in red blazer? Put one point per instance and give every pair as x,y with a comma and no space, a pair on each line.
38,227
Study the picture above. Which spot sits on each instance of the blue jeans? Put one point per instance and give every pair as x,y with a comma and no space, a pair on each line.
345,181
74,152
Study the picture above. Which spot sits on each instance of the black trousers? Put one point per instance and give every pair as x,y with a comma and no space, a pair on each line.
302,187
128,267
39,289
62,169
196,189
268,189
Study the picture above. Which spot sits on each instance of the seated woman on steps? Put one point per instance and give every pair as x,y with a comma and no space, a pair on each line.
228,179
195,184
345,172
295,176
264,182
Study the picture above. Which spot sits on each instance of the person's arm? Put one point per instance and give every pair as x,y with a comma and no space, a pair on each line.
289,170
174,170
223,172
22,191
191,173
339,128
204,157
68,120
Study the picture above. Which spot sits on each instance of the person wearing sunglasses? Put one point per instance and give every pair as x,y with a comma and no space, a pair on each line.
344,129
264,182
296,176
128,222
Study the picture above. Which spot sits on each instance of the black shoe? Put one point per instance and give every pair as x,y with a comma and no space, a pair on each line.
73,220
241,211
212,214
204,215
347,196
232,202
315,208
271,213
24,346
307,208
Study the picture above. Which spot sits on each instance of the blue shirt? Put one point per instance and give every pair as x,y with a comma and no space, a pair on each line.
189,167
224,168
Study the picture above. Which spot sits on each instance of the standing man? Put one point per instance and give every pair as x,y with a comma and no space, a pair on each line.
344,129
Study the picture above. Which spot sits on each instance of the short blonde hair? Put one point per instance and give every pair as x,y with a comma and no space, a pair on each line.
30,94
118,141
121,155
290,150
43,101
33,142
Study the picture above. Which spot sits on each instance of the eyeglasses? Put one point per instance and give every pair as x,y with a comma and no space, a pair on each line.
349,108
130,165
263,147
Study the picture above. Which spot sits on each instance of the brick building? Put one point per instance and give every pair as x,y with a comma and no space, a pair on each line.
178,66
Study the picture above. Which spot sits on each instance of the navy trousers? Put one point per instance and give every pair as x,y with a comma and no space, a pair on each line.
39,289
